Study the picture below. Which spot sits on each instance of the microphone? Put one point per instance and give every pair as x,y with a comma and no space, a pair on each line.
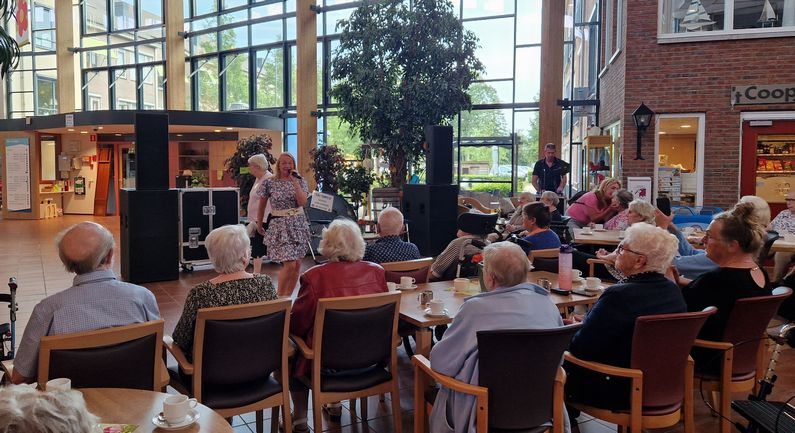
296,175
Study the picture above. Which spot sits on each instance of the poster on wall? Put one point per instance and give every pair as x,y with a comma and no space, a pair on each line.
23,22
18,174
640,187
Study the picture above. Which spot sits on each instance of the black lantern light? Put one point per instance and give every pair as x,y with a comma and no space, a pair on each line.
642,117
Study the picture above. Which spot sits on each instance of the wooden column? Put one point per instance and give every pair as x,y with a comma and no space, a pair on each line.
175,56
68,80
306,85
550,116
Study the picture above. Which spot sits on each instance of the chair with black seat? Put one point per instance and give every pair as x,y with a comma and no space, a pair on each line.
741,361
351,365
239,361
510,396
561,228
119,357
661,373
764,252
418,269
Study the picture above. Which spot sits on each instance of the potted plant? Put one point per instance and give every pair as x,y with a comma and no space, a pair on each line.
398,68
327,162
237,164
355,181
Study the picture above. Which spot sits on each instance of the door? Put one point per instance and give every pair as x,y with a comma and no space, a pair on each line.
123,171
768,161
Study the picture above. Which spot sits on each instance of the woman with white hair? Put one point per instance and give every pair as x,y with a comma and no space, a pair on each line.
345,274
23,409
606,334
229,251
258,167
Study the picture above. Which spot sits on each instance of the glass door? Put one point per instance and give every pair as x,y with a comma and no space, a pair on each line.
680,158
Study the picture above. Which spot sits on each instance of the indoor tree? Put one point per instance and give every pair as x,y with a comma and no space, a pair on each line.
398,68
9,50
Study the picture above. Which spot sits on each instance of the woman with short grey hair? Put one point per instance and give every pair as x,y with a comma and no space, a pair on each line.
229,251
258,167
23,409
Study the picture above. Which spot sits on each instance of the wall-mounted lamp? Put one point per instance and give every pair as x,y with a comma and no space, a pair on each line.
642,117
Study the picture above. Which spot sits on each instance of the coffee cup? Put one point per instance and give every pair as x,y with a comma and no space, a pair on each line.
592,283
437,306
175,408
598,226
406,282
586,230
461,284
59,384
391,286
576,274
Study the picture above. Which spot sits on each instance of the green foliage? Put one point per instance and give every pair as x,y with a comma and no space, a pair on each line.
9,50
327,162
399,68
355,181
246,148
502,189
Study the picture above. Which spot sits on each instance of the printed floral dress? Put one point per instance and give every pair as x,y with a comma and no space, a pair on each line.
287,238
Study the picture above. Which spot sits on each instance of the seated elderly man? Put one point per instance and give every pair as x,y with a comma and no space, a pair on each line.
390,248
510,303
515,223
96,300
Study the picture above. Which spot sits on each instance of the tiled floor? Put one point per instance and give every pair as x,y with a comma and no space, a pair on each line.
27,252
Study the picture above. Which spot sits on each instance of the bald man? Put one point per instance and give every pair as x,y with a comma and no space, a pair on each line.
96,300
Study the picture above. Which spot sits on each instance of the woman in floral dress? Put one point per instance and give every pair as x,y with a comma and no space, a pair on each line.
287,237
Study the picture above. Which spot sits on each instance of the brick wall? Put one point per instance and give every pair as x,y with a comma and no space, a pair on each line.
690,77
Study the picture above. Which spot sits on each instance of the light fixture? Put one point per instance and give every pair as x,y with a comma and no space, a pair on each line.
179,135
71,130
84,132
642,117
118,135
662,132
229,128
685,126
202,139
216,130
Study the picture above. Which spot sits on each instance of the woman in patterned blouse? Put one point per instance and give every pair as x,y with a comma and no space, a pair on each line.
784,224
229,251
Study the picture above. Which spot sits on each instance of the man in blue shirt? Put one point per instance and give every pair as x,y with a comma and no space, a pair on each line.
96,300
390,248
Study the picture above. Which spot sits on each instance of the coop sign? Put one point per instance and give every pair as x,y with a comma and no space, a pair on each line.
770,94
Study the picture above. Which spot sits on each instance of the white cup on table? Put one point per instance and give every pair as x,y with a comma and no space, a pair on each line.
586,230
391,286
175,408
575,275
598,226
437,306
461,284
407,282
59,384
592,283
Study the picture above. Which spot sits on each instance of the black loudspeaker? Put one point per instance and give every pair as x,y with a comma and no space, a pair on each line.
431,212
440,155
149,236
151,151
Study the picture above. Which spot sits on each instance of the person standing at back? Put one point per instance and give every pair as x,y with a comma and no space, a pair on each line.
96,300
550,173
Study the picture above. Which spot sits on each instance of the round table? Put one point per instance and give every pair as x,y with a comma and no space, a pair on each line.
135,406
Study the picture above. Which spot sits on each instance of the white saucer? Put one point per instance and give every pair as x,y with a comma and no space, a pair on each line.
444,313
411,287
586,233
621,237
600,230
191,418
580,280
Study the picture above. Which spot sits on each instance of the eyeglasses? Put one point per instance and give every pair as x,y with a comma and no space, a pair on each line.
708,236
621,248
789,199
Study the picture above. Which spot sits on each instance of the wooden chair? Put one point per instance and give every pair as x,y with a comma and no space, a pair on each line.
592,263
119,357
475,204
661,373
510,396
742,350
420,270
549,253
239,361
356,357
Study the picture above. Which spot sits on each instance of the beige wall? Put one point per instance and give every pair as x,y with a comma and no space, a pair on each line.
681,149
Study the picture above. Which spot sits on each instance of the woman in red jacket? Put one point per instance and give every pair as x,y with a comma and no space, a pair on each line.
345,274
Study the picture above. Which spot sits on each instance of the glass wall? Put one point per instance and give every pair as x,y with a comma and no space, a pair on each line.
122,55
33,86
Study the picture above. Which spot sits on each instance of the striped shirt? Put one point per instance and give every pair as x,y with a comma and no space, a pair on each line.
96,300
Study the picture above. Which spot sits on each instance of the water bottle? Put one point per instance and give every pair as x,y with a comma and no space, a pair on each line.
564,268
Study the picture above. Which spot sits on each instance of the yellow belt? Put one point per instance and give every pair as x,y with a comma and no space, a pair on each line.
288,212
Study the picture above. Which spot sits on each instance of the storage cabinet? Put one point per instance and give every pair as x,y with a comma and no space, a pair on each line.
775,166
195,156
201,210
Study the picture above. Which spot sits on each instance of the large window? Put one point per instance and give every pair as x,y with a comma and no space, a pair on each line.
699,19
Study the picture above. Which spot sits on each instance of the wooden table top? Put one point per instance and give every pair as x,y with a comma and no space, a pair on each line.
414,313
135,406
605,237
